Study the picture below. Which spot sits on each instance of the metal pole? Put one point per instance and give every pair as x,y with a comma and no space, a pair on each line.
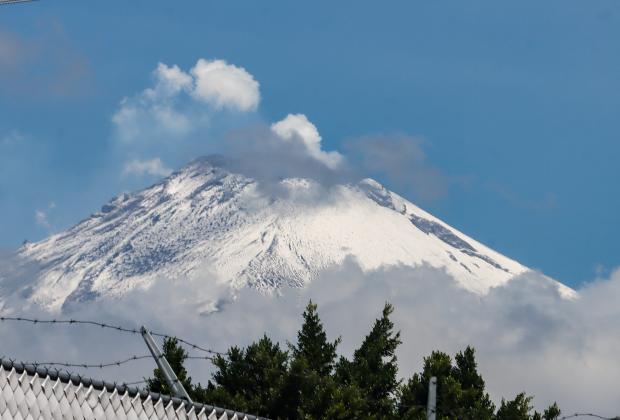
431,406
171,378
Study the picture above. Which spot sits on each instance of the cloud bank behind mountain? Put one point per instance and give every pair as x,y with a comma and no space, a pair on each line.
528,337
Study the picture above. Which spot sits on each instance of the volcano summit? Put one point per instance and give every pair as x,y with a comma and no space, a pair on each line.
207,221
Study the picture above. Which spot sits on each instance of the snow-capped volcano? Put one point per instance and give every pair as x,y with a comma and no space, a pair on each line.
205,220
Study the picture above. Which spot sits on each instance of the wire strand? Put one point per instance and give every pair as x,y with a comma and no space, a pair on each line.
104,365
192,345
107,326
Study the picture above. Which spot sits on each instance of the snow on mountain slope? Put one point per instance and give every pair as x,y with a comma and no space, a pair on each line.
204,217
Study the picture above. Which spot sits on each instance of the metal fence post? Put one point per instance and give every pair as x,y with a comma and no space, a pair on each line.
431,406
173,382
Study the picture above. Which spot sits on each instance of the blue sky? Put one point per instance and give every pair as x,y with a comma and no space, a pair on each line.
518,105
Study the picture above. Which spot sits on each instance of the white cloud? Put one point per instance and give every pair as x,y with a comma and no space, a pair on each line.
40,217
170,81
154,111
144,119
175,116
225,85
180,102
297,127
153,167
527,337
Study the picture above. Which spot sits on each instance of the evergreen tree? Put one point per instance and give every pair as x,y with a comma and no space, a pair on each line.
307,394
517,409
312,345
307,382
474,401
414,394
520,408
374,368
552,413
309,387
466,370
251,380
460,389
348,402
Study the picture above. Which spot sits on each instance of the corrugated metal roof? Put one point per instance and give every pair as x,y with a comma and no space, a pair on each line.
29,391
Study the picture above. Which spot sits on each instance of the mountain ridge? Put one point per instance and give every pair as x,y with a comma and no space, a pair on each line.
206,219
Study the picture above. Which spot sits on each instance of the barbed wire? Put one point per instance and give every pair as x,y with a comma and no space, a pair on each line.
187,343
101,365
163,335
88,365
107,326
